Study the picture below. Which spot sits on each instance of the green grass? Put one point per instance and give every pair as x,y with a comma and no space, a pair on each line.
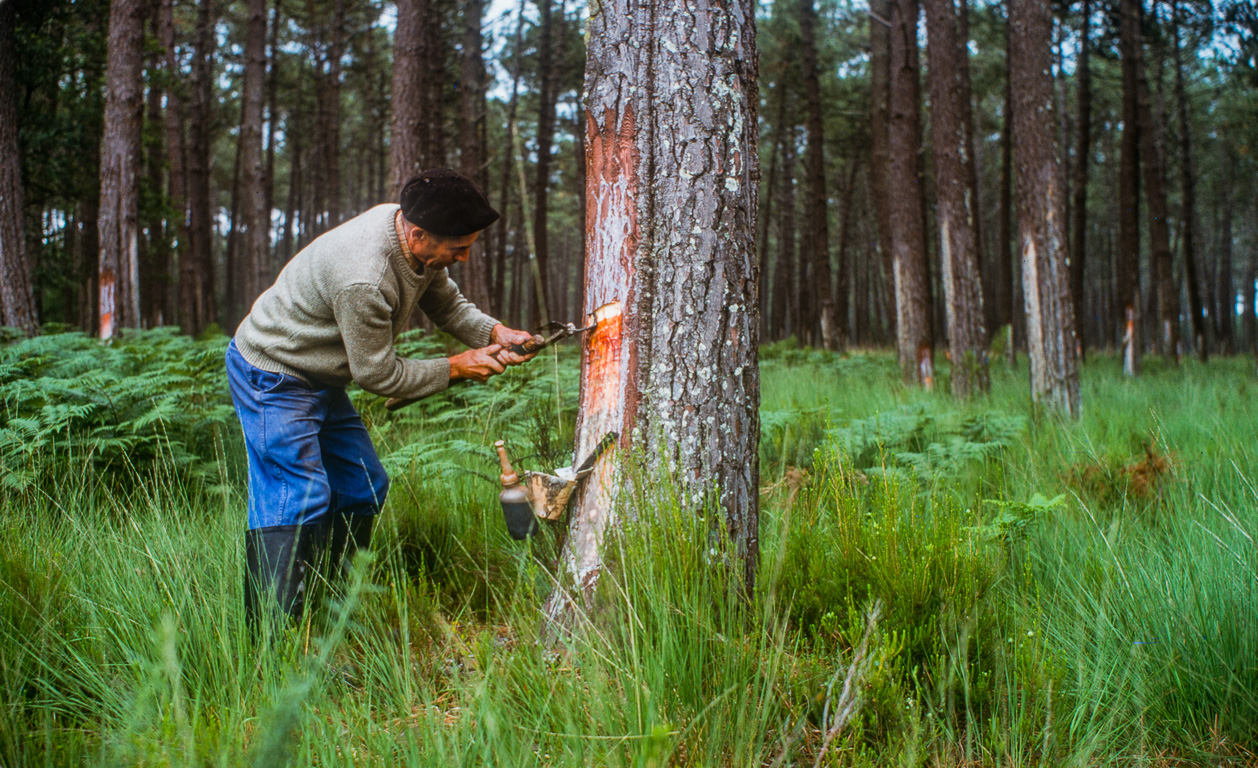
1050,593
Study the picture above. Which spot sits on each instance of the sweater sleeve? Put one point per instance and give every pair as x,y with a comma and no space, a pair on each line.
365,321
446,307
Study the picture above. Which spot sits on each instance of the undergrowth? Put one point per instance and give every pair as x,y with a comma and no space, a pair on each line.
940,583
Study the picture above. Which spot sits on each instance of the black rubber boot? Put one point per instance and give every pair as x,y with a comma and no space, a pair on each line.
350,533
276,564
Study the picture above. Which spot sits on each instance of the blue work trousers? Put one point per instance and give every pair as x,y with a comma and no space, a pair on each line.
309,452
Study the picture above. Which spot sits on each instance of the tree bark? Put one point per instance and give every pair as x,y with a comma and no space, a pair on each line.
17,302
817,238
786,294
177,180
1188,212
196,268
1226,290
409,134
1153,161
671,270
914,342
879,127
1008,313
119,170
1127,277
545,137
955,210
332,128
471,87
1079,243
1041,214
253,246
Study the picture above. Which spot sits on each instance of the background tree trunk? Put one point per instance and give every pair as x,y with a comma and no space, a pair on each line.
409,131
1188,211
1079,242
196,268
17,303
1042,214
671,268
1226,289
254,247
1008,312
817,238
471,88
1127,272
955,208
546,96
914,340
879,127
177,181
1154,171
119,170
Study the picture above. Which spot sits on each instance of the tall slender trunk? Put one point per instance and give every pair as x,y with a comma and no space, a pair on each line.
471,75
817,237
879,127
272,120
1188,214
119,170
786,294
17,302
914,340
765,223
672,269
154,247
1153,161
545,137
1226,290
254,244
1127,275
332,136
177,181
196,269
955,204
1079,243
501,296
409,132
1008,312
1051,346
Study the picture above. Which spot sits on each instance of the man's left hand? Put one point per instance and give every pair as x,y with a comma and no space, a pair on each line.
507,337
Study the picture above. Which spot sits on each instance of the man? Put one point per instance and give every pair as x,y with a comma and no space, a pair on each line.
315,482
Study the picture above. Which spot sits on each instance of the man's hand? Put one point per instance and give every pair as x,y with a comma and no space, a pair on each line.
505,337
476,364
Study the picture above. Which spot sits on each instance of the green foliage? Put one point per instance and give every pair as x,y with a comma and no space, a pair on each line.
1020,625
150,400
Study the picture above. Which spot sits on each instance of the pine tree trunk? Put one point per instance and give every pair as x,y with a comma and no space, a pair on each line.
879,127
545,137
196,268
177,181
119,170
17,303
1188,214
1127,276
253,246
1041,214
914,341
1153,160
1009,311
409,138
1226,291
786,294
272,119
955,211
154,248
332,132
1079,242
471,89
671,272
817,230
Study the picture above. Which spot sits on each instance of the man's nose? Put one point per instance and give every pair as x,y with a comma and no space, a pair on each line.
462,257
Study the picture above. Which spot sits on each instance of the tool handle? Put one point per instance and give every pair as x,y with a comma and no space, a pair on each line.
509,476
535,344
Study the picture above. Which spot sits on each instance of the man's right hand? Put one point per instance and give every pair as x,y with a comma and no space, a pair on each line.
476,364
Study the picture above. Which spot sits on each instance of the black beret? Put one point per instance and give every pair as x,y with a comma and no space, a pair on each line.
446,203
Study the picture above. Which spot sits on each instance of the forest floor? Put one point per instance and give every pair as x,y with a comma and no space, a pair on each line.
1045,593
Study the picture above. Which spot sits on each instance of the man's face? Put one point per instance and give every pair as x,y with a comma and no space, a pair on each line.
438,252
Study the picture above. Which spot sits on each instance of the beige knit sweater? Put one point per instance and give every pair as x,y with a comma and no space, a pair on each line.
335,309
